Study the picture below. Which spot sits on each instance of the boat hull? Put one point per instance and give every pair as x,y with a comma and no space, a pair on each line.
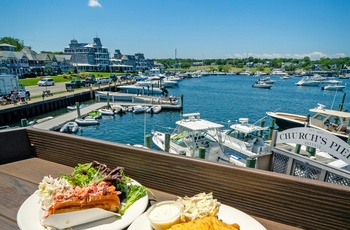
287,121
262,86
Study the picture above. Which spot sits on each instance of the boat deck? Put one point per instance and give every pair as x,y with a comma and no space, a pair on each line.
291,116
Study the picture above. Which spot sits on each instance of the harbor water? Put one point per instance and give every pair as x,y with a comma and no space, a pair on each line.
222,99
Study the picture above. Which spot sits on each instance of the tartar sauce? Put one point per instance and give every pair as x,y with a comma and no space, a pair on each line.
164,212
164,215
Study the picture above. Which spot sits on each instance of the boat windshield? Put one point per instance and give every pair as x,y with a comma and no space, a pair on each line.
190,138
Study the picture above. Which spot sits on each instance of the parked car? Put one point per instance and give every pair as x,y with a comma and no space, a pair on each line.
113,77
90,80
46,82
74,84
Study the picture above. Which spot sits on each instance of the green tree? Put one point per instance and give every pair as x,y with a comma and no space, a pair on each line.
185,64
14,42
226,68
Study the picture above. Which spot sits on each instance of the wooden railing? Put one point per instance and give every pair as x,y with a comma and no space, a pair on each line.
294,201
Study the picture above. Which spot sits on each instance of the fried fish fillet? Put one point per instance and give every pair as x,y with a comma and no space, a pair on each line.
206,223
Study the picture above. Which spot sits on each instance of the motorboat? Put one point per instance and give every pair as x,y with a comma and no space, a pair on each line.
107,111
246,72
74,107
308,81
173,78
262,85
140,109
333,121
344,76
69,127
284,77
118,108
278,72
333,87
259,73
95,114
267,80
88,120
139,89
154,109
169,83
243,140
190,135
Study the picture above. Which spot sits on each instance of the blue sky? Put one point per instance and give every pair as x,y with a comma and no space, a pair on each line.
195,28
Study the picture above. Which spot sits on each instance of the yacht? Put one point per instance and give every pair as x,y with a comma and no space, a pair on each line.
334,86
267,80
262,85
259,73
246,72
191,134
233,146
243,140
307,81
134,89
277,72
333,121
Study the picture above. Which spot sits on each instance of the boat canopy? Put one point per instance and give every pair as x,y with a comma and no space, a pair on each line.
330,112
199,124
247,128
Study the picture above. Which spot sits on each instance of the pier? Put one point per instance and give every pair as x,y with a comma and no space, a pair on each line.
37,106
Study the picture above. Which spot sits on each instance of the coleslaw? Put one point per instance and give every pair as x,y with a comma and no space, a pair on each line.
198,206
49,187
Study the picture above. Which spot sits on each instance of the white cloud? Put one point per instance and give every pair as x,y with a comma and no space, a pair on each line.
313,55
94,3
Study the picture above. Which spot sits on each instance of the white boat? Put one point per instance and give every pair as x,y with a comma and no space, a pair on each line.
278,72
173,78
267,80
191,134
74,107
105,111
284,77
139,109
169,83
333,87
139,89
332,121
262,85
118,108
344,76
246,72
88,120
154,109
243,140
259,73
307,81
69,127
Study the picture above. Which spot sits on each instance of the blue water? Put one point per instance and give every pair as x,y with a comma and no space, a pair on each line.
218,99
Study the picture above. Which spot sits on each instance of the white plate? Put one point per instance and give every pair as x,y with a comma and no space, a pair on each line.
226,213
28,216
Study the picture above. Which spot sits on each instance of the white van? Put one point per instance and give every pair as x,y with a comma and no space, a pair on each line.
46,82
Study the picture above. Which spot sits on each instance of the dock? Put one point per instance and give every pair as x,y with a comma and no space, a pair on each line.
57,122
127,99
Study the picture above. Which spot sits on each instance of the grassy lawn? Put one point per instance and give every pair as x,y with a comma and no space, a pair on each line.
65,77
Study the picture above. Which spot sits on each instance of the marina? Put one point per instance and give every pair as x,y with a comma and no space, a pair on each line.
205,96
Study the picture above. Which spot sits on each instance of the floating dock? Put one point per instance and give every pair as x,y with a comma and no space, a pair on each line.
127,99
122,99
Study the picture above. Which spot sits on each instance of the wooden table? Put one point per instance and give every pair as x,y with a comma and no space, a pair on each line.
20,179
